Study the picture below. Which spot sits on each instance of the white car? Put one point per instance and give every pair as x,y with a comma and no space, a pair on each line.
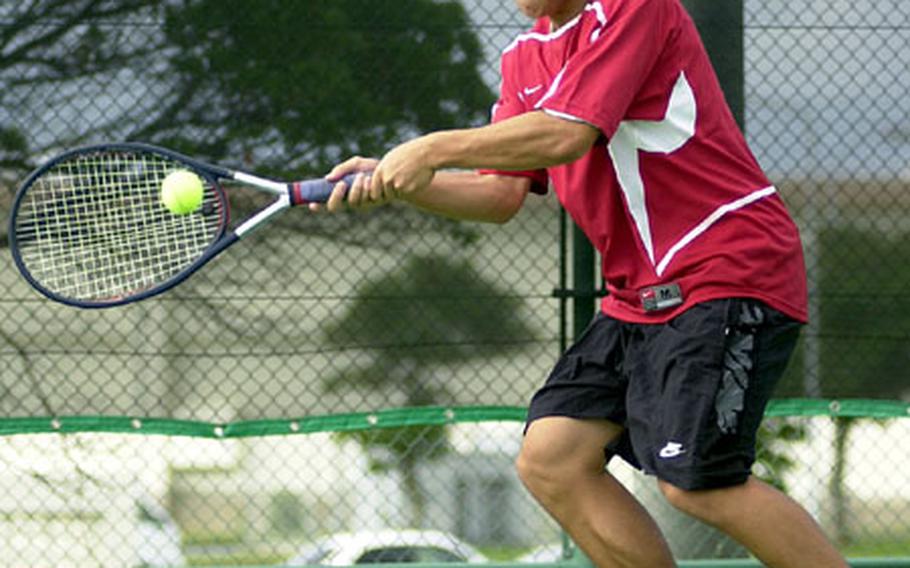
386,546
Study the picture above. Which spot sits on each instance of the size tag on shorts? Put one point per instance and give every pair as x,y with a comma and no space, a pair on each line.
661,297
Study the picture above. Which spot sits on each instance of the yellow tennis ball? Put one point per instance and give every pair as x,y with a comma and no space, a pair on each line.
181,192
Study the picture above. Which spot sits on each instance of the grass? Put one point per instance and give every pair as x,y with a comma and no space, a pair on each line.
502,553
885,547
238,559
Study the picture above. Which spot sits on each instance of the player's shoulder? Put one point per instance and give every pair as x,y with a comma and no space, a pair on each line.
594,18
615,7
541,36
643,3
539,33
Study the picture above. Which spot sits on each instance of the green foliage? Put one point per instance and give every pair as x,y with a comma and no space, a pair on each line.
864,323
897,546
13,159
865,314
13,148
286,513
430,311
283,87
865,317
773,449
49,49
319,80
388,448
296,84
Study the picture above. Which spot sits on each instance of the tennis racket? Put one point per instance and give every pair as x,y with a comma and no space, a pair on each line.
88,228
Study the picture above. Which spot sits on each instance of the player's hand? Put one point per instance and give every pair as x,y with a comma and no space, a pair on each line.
355,196
405,170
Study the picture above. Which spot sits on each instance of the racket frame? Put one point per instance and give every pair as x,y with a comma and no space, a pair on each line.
286,195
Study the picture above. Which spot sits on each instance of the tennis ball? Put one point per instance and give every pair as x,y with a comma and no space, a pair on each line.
181,192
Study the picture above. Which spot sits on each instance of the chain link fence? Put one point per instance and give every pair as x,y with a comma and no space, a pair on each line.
344,375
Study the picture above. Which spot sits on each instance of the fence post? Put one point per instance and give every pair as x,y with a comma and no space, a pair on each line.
721,27
584,294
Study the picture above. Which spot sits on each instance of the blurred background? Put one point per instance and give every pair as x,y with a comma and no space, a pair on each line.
352,376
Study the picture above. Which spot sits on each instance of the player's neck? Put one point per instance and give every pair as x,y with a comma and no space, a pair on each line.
566,13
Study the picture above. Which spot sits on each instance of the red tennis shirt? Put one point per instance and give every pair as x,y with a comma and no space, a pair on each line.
670,195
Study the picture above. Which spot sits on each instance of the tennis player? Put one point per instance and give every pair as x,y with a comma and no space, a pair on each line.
614,104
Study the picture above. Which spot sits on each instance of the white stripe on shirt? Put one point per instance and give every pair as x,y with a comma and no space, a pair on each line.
595,7
554,85
710,220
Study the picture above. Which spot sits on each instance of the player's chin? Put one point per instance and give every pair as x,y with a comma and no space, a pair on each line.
530,8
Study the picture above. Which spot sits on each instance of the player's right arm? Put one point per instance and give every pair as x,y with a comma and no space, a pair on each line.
463,195
472,196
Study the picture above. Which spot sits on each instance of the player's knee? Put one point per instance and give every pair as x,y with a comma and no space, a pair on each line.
532,469
557,454
712,506
543,477
694,503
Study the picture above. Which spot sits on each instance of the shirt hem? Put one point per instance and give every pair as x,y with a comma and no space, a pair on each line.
629,314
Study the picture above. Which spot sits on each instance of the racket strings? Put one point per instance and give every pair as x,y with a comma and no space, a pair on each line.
92,228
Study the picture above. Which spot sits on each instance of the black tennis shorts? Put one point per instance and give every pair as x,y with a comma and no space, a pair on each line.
691,392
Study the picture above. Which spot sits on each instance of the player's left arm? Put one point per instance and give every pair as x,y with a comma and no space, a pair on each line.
529,141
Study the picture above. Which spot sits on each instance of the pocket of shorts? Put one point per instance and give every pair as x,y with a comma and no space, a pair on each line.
746,318
705,315
698,343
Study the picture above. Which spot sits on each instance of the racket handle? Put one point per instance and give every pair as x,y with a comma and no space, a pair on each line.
315,190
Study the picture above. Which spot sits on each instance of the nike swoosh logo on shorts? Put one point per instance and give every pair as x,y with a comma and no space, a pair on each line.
671,450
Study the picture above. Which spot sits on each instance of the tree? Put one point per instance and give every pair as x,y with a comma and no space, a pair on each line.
431,312
297,85
56,55
49,49
279,86
282,86
865,323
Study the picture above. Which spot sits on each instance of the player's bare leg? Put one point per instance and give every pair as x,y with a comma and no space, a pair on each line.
562,464
776,529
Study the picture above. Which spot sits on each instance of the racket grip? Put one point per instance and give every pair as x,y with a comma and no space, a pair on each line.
315,190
